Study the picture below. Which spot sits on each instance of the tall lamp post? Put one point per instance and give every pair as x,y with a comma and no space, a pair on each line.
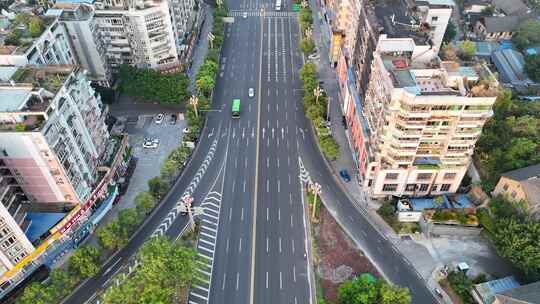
194,101
317,92
188,200
315,188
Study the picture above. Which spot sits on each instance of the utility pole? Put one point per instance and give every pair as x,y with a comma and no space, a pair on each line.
315,188
317,92
194,101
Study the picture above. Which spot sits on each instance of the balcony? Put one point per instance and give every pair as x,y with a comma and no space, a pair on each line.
23,123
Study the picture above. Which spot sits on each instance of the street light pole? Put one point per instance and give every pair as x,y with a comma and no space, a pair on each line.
188,200
316,190
194,101
317,92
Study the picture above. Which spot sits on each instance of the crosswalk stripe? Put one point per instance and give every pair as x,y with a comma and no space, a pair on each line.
205,249
208,228
208,235
205,241
199,296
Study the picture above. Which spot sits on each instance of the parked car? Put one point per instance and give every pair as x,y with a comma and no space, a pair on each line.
244,15
345,175
314,56
151,143
159,118
173,119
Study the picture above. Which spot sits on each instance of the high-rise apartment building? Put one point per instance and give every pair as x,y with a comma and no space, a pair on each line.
53,136
423,120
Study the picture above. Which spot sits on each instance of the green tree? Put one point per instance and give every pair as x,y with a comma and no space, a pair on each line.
462,285
158,187
35,27
450,32
527,34
144,203
168,169
128,221
488,11
109,236
305,16
391,294
205,84
84,263
36,293
307,45
308,71
532,67
330,147
468,49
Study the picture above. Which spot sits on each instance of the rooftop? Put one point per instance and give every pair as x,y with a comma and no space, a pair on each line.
502,24
529,293
438,77
487,290
511,7
22,31
524,173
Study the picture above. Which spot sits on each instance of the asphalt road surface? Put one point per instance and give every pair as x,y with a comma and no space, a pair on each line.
245,173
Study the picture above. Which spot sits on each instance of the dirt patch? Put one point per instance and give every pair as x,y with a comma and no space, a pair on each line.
340,260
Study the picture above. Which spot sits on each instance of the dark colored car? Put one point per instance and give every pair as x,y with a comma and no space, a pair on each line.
345,175
173,119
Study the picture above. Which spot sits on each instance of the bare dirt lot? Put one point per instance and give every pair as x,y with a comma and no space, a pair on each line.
340,260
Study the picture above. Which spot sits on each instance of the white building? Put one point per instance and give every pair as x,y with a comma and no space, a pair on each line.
53,136
424,119
19,46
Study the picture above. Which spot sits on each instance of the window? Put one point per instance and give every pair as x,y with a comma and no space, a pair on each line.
514,193
505,187
449,175
434,188
410,187
389,187
370,182
423,187
392,175
445,187
434,18
423,176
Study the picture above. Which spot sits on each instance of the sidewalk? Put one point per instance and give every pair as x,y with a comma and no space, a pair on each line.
423,262
201,48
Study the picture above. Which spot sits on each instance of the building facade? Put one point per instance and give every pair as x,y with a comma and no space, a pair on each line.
424,120
53,138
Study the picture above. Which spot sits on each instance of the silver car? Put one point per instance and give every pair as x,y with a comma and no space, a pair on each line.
251,92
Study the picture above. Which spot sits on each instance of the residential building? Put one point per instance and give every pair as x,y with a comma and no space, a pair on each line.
521,185
53,137
79,21
497,28
511,67
526,294
484,293
418,25
423,121
20,46
511,7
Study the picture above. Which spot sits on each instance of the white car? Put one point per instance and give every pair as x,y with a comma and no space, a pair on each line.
185,130
151,143
251,92
159,118
244,15
314,56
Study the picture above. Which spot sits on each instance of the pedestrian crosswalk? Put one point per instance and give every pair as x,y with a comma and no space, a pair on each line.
257,13
206,247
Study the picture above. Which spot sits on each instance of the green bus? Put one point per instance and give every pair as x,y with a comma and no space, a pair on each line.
236,108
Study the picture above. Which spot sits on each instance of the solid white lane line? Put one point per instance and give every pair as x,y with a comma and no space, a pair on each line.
278,186
237,280
289,179
279,214
244,186
227,246
242,214
230,214
240,245
278,162
292,243
280,281
290,198
267,214
294,273
267,280
267,185
291,222
279,244
233,185
267,162
267,244
224,280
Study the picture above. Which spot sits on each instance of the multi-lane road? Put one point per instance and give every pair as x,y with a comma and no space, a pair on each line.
245,173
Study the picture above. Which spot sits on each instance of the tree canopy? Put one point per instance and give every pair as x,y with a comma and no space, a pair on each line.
365,289
164,269
527,34
84,262
532,67
450,32
152,86
510,139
